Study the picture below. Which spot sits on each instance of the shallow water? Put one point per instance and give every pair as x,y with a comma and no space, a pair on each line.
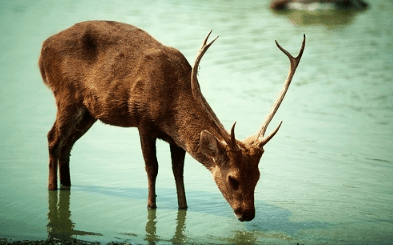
325,177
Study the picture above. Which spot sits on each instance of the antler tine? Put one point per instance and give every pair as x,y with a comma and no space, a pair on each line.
291,58
294,64
207,37
233,144
270,136
201,101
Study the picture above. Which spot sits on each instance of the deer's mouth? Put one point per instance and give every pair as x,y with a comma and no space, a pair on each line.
245,215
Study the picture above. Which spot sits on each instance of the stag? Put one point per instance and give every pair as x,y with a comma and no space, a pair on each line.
122,76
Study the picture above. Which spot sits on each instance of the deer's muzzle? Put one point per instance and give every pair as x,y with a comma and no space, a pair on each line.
245,214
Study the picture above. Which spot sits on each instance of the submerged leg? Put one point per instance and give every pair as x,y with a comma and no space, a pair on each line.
178,155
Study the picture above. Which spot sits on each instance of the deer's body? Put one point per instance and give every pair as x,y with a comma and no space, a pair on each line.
120,75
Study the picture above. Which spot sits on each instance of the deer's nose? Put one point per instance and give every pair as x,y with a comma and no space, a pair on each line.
245,215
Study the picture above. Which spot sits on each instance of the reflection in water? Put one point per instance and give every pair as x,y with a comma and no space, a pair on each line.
243,237
151,229
275,224
60,227
179,236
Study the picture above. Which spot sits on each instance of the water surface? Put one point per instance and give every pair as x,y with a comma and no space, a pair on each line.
325,177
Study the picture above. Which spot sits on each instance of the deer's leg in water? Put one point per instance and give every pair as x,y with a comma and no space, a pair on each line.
71,123
66,118
148,145
53,144
84,123
178,155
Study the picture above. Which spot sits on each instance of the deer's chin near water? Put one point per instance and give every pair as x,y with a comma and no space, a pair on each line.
245,216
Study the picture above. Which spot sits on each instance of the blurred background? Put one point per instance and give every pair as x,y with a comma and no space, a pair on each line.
325,177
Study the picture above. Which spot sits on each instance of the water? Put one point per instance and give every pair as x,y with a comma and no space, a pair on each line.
325,177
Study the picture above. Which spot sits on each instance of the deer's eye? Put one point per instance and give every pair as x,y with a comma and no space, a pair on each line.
233,183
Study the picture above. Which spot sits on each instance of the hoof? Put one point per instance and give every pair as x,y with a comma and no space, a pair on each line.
64,187
52,187
152,206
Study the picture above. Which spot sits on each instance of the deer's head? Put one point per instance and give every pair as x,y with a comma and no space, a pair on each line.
234,163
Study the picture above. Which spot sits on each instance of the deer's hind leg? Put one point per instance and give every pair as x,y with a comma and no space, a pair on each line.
72,122
53,143
84,123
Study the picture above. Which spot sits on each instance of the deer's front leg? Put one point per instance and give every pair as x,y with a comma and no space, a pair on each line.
178,155
148,145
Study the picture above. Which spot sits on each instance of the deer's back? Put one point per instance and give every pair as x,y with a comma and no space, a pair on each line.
119,72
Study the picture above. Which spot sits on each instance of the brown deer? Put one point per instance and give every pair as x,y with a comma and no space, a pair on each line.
122,76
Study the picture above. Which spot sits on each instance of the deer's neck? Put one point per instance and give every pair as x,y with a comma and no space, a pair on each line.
186,131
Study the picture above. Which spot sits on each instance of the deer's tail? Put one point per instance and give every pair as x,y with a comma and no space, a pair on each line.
42,70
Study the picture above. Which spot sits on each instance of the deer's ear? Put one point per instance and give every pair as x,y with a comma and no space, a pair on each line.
209,145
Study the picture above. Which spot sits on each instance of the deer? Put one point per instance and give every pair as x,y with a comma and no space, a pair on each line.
120,75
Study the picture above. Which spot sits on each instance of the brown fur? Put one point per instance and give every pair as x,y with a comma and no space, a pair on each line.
120,75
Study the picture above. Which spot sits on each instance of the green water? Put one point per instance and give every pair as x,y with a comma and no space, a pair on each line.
325,177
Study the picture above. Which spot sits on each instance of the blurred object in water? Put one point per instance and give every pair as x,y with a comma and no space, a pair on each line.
313,5
329,18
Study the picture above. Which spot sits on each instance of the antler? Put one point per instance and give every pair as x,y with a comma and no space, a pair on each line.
294,63
202,103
